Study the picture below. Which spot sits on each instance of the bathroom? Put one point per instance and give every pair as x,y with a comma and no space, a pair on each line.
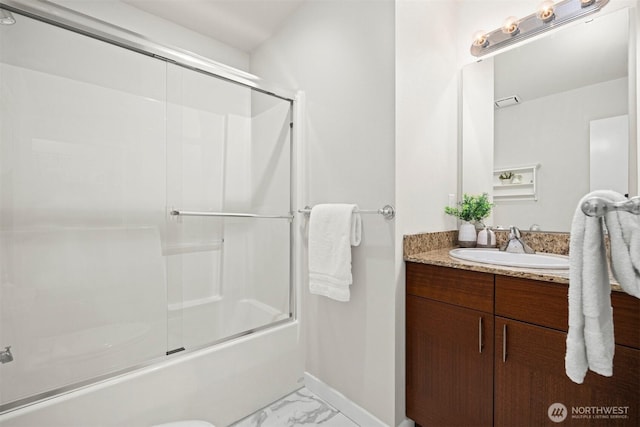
376,89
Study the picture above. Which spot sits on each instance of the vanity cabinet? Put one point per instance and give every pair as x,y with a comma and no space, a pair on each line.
449,347
458,319
530,332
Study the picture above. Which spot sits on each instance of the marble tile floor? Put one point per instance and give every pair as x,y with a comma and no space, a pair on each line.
300,408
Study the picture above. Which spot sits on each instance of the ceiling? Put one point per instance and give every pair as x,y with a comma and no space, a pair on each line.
242,24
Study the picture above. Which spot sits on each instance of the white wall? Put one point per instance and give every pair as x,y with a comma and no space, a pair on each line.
340,53
427,109
426,137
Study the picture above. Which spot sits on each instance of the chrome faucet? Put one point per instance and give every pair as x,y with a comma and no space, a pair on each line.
515,243
5,355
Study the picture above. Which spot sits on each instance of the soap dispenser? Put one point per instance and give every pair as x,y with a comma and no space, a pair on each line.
486,238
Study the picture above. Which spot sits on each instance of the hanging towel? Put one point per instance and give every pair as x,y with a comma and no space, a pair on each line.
624,235
333,229
590,340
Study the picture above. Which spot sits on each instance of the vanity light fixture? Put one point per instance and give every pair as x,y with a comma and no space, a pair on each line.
549,15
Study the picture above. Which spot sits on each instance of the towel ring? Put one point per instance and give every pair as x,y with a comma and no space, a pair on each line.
598,207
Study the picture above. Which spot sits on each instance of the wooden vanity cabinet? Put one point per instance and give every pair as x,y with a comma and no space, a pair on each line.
530,334
451,382
449,346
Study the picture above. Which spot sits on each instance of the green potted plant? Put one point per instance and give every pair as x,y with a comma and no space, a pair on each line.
506,177
472,208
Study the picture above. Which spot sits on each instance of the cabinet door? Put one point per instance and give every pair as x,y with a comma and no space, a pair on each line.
530,378
449,364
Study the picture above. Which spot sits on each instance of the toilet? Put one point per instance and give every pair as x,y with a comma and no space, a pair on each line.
186,423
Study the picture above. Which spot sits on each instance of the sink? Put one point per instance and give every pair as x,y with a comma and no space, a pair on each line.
497,257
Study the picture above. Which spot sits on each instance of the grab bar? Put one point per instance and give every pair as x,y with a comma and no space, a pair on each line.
228,214
387,211
598,207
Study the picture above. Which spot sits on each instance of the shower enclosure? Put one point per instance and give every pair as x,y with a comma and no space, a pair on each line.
145,206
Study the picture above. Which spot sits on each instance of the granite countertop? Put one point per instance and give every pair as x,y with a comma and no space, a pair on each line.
433,249
441,257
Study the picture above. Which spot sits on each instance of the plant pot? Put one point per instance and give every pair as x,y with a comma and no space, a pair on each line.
467,236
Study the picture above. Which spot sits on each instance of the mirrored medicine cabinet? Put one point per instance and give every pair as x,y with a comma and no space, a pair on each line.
559,113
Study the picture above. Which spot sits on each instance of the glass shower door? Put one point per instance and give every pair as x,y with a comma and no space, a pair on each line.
98,146
228,152
82,208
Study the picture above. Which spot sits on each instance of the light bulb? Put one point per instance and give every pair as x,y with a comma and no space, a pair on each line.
480,38
546,11
510,26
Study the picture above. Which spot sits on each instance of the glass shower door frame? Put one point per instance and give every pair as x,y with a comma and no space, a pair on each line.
87,26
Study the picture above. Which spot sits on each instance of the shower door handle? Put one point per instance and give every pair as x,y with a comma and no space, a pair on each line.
227,214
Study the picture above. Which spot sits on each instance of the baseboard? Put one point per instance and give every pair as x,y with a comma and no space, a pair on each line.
351,410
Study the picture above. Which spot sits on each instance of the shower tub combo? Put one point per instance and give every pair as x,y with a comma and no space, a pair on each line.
146,229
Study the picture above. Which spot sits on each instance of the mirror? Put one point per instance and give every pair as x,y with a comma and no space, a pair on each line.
552,117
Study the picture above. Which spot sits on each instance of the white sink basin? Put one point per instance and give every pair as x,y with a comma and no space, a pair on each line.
497,257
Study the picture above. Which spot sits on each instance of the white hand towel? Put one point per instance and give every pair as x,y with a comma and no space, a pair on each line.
333,229
590,340
624,235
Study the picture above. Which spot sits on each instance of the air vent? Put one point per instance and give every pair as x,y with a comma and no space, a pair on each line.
507,102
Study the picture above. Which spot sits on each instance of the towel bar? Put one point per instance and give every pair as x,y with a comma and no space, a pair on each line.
598,207
387,211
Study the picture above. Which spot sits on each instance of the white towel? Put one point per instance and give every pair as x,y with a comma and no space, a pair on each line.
333,229
624,235
590,340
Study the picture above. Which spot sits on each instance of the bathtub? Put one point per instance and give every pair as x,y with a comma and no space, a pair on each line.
233,343
210,384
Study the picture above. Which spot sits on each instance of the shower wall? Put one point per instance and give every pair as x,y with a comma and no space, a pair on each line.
97,145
